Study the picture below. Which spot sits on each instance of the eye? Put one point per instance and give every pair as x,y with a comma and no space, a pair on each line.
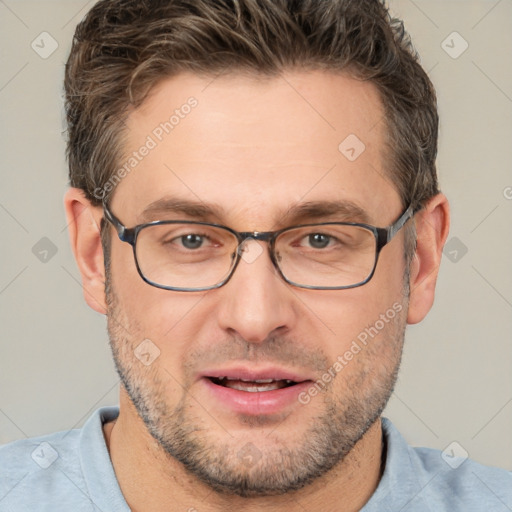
192,240
318,240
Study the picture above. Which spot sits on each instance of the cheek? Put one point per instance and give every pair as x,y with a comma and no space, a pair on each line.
144,305
338,318
146,312
387,285
369,358
342,320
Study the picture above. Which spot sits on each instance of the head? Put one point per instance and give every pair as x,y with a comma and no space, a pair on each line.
243,107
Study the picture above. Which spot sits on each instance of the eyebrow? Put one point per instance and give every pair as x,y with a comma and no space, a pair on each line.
335,210
340,210
198,210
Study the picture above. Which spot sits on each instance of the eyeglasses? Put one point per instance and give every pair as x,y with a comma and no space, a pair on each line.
191,256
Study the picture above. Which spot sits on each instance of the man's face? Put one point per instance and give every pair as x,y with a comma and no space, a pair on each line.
255,149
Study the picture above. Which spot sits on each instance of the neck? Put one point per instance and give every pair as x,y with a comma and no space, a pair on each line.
151,480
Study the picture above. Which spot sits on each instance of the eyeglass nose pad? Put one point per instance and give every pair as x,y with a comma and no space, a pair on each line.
250,252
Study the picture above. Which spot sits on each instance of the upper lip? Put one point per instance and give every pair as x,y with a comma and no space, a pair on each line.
251,373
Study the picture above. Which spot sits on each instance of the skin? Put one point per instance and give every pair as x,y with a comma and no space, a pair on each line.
256,147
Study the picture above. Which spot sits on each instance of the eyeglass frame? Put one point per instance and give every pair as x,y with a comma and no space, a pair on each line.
382,236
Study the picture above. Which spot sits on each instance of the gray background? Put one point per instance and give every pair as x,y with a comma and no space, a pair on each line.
456,379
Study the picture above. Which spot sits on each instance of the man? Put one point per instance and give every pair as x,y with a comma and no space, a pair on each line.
254,206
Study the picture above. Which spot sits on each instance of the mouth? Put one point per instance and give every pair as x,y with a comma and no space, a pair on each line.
252,386
254,391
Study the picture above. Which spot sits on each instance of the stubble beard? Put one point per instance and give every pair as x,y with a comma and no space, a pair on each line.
280,467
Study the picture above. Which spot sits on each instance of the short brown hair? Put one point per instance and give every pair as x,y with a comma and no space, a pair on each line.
123,48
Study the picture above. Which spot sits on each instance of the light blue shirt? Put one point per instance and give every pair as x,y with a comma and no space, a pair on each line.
72,472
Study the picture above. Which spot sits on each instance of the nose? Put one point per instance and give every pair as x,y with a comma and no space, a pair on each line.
256,302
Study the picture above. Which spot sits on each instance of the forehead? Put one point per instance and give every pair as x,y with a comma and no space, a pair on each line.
256,145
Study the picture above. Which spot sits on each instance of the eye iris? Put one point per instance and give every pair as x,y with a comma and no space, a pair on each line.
318,241
192,241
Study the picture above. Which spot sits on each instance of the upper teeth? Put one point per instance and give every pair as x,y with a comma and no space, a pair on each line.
259,381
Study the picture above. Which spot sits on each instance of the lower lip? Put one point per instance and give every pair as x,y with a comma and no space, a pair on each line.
259,402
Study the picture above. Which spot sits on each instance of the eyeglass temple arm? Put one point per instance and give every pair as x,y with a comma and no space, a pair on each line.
385,235
125,234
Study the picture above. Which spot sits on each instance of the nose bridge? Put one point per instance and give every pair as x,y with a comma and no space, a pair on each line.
255,301
250,251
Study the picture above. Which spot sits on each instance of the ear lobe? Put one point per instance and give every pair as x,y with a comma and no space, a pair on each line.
432,226
84,222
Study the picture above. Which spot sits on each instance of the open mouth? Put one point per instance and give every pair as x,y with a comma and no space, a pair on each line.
252,386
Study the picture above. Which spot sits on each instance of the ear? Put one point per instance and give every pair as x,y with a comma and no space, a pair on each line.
432,225
84,232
